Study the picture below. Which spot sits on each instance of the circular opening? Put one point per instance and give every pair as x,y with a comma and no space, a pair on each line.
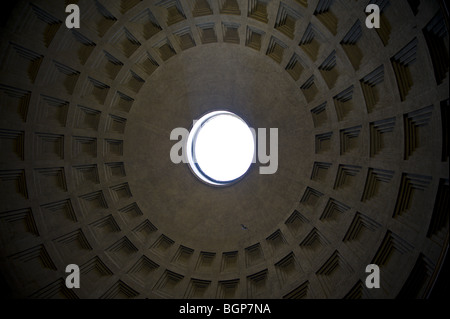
220,148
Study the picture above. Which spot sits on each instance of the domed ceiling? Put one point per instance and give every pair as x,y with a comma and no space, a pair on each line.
86,176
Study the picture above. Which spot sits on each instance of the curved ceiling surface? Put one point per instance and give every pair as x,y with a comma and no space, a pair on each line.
86,175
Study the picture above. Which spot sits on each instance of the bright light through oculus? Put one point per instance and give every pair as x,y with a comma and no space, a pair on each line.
221,148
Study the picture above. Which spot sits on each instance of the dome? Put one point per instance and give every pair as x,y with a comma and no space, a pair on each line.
354,122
